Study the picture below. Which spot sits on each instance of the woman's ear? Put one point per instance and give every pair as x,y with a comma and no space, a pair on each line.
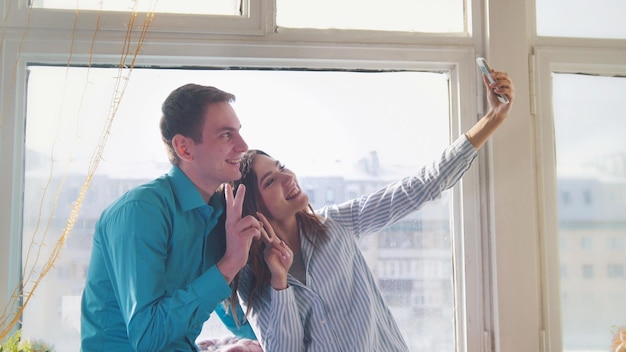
183,147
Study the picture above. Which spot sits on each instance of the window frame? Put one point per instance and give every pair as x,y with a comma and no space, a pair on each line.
255,43
584,59
257,21
251,22
466,229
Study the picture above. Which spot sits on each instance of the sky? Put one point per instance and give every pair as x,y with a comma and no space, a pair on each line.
317,122
581,18
589,123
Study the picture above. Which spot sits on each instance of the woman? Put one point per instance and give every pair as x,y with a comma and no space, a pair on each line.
307,286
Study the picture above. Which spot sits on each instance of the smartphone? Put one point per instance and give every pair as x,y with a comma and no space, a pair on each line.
484,67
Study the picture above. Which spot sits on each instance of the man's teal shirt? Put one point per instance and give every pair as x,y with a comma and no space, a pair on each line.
152,280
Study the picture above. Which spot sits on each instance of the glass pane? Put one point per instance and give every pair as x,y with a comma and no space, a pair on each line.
591,182
392,120
581,18
442,16
213,7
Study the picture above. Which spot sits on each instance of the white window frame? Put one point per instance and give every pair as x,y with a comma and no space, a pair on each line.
251,22
589,58
467,228
252,41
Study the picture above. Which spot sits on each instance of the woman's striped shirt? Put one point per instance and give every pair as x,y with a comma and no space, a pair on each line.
341,308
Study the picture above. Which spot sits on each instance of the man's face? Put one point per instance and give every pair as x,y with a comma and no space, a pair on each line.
216,159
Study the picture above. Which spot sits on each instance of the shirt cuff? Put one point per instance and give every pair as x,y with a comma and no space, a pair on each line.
211,288
463,146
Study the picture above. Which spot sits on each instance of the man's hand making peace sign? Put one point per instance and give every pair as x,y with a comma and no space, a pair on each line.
239,234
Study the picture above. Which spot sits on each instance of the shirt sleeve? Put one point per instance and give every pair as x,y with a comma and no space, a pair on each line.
371,213
274,317
137,252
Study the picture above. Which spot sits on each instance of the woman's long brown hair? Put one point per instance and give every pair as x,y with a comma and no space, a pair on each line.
311,226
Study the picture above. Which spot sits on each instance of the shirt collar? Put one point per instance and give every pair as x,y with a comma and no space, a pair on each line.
188,195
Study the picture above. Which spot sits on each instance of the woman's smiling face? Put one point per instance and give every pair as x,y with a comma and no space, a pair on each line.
279,192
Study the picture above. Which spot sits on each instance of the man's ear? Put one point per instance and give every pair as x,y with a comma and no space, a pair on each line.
183,146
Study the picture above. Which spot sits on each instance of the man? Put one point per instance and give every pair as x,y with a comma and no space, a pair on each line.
163,255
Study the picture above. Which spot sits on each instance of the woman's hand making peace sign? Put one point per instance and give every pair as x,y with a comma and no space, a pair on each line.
277,254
